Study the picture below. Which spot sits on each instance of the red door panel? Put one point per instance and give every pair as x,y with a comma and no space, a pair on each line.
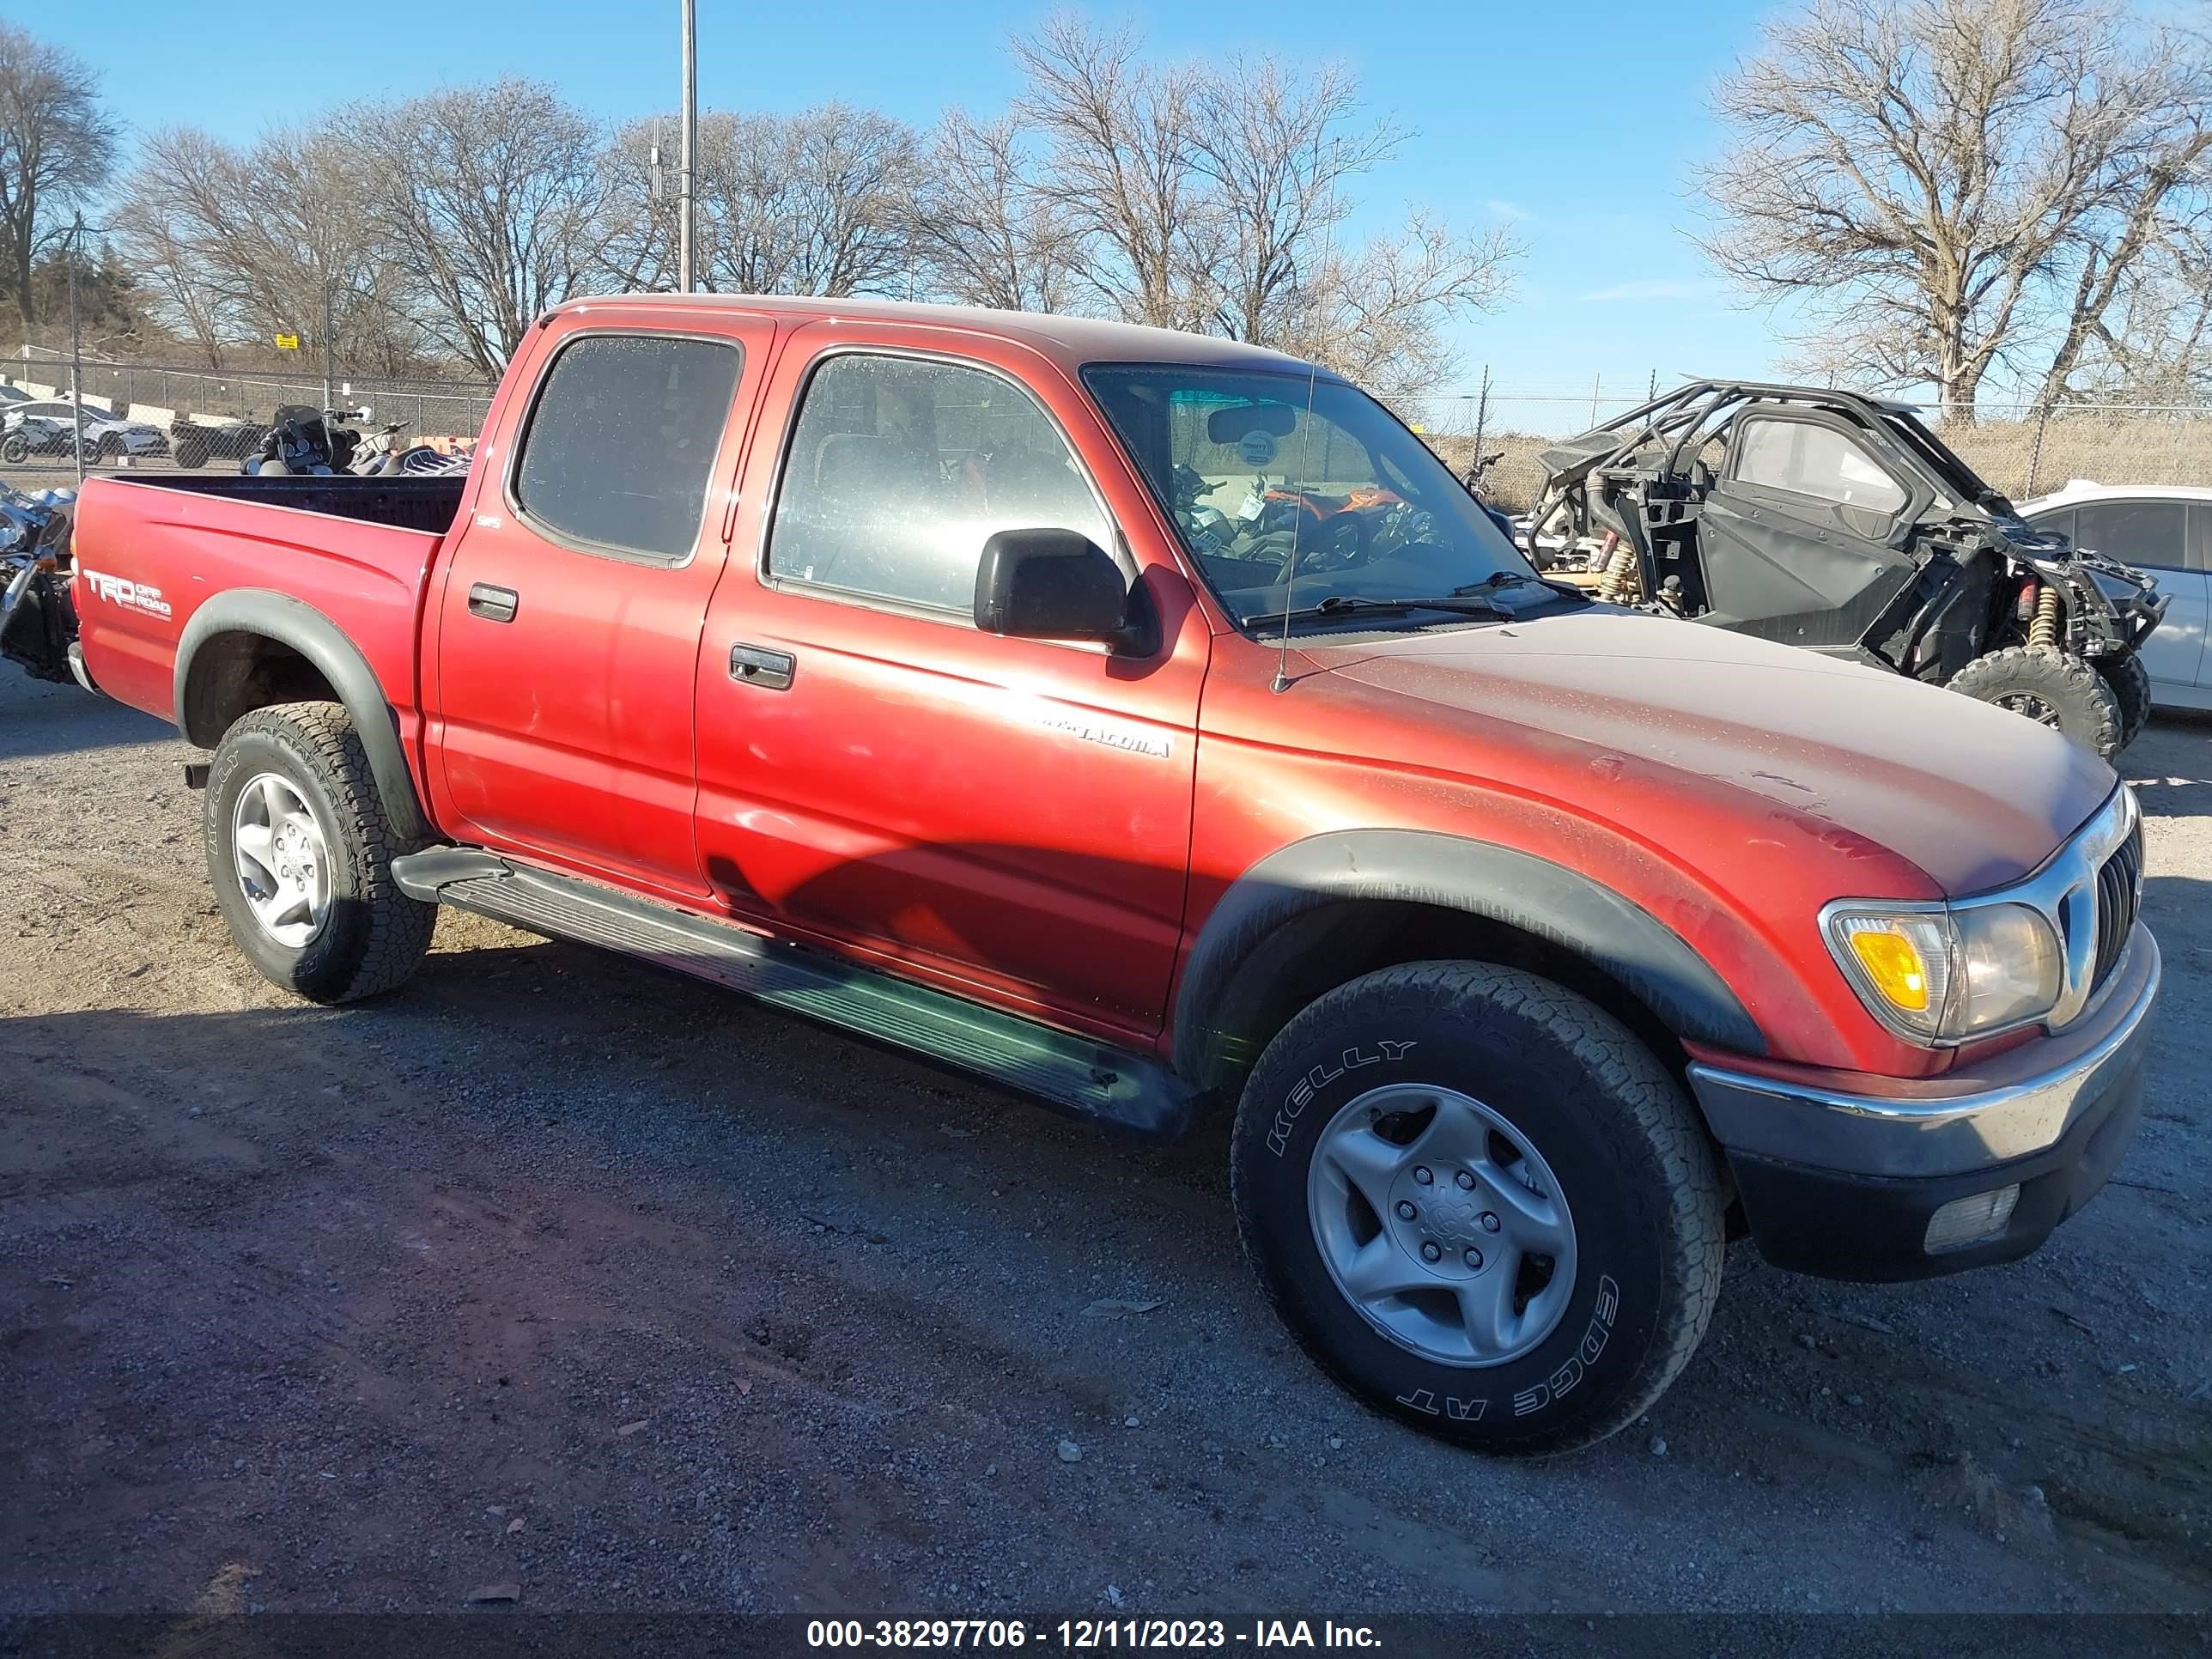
1012,815
567,729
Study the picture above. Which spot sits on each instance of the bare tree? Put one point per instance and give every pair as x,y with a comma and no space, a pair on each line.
984,232
1376,312
1278,150
56,148
486,200
1122,167
817,203
1948,186
172,214
2155,345
1215,200
241,244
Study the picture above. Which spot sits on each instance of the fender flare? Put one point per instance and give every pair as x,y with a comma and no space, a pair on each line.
292,623
1498,883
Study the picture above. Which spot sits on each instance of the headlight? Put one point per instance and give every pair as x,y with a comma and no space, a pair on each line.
1944,975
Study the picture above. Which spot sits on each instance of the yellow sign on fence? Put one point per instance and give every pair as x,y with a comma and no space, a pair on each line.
287,343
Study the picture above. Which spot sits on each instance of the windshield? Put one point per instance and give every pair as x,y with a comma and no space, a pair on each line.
1257,466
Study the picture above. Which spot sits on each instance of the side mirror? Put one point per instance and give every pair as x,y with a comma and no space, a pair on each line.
1054,584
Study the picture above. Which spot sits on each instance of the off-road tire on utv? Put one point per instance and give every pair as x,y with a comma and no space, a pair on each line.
371,936
190,454
2131,683
1555,1089
2055,688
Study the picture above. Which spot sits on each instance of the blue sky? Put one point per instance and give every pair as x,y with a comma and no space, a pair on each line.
1580,121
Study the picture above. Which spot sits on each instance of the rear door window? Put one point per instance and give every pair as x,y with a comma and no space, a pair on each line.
620,444
2153,534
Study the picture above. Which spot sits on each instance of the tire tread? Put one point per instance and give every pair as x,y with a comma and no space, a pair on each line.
399,927
1653,1108
2089,703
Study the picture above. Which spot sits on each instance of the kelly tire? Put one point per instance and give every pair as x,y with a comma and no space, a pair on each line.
370,936
1607,1124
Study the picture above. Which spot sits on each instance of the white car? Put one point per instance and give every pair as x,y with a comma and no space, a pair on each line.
2167,530
104,435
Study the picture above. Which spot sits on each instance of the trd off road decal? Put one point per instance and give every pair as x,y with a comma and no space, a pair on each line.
1561,1381
1278,1132
132,596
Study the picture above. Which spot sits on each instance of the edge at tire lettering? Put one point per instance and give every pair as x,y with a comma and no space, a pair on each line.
1302,1092
1563,1381
1460,1411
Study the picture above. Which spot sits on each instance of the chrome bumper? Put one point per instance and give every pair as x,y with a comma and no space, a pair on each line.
2025,1100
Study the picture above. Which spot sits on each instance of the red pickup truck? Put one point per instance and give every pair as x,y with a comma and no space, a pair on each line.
1151,724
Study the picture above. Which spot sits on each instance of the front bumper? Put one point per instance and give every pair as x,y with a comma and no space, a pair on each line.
1844,1184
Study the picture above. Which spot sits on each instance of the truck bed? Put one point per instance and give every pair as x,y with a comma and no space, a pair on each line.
152,550
402,503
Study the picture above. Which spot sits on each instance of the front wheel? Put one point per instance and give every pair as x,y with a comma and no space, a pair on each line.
299,851
2131,683
1480,1203
2052,687
15,449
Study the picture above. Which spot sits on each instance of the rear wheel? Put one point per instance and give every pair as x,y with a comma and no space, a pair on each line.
299,852
2052,687
1480,1203
192,452
2131,683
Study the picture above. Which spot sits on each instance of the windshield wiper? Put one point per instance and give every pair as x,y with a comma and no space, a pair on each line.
1346,604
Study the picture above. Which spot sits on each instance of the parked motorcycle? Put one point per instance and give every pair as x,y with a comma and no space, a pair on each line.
379,455
36,624
305,440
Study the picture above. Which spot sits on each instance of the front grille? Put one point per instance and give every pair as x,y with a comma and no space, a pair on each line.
2117,883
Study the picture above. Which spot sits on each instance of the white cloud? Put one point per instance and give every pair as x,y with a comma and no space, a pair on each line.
1657,287
1512,212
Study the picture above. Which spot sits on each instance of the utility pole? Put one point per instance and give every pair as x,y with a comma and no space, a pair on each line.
686,253
76,348
326,339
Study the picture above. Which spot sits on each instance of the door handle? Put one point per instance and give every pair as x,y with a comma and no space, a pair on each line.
768,670
492,603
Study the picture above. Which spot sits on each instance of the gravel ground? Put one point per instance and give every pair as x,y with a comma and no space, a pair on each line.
555,1272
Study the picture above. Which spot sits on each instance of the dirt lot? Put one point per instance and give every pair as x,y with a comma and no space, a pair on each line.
555,1271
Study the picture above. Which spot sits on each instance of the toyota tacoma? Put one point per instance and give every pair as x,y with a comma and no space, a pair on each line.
1152,725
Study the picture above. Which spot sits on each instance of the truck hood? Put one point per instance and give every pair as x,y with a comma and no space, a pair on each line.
1973,795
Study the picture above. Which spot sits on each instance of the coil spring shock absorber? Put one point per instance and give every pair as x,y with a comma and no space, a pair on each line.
2043,630
1621,582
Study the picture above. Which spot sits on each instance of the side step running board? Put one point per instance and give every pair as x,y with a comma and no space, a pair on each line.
1076,1075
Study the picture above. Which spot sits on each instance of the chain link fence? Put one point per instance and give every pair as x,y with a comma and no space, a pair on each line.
2024,450
166,396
